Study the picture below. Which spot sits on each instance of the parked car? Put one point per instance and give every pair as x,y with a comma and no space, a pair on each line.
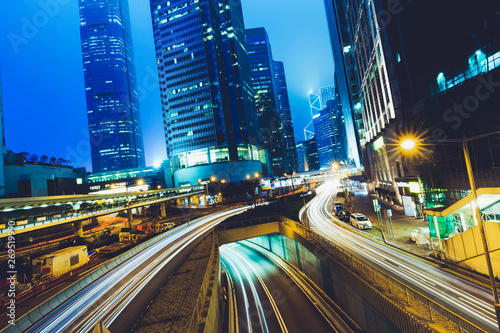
338,206
360,221
344,215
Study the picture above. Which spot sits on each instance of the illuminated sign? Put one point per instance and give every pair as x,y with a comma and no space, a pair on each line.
379,143
22,222
414,187
42,218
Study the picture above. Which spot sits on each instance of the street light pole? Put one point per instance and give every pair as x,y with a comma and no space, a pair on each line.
477,212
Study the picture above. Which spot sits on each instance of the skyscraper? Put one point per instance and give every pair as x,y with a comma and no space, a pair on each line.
345,75
2,144
266,99
206,93
112,101
327,94
329,130
290,152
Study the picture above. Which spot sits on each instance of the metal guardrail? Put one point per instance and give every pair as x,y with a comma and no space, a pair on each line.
409,299
419,305
30,318
97,211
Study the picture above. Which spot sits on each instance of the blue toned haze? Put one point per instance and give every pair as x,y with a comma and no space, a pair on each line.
42,71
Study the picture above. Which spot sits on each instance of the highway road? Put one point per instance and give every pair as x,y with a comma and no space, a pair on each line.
467,299
133,283
267,299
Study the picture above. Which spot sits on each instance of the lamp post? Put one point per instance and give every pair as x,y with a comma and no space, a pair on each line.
412,144
255,184
304,182
129,211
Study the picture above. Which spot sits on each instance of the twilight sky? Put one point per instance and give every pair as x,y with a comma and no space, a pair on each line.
42,72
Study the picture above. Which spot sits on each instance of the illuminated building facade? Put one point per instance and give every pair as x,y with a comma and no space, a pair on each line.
207,99
266,97
346,79
329,129
402,88
110,84
290,152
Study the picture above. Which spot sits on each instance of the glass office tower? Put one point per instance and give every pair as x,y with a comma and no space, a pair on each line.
110,84
266,99
290,151
346,78
207,99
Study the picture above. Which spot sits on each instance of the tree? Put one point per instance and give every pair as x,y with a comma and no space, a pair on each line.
25,155
44,158
33,158
52,160
60,161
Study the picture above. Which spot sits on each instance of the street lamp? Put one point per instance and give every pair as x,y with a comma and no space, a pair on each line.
410,144
129,211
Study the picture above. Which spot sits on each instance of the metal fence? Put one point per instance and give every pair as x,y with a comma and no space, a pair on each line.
419,305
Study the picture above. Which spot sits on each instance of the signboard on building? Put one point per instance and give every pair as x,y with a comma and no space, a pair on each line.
408,205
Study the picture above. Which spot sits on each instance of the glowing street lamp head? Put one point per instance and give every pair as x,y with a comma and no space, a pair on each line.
408,144
140,182
223,181
212,178
248,177
335,165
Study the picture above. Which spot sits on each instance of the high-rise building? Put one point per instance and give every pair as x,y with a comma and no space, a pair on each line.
207,98
266,99
290,152
110,84
328,129
301,157
345,74
311,154
402,89
327,94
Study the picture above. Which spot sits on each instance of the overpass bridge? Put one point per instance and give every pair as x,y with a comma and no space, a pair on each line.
78,208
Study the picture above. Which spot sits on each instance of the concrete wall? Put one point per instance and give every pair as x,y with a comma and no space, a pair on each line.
466,249
339,287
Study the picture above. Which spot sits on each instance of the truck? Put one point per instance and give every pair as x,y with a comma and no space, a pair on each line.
60,262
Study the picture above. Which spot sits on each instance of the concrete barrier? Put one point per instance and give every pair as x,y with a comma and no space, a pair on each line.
30,318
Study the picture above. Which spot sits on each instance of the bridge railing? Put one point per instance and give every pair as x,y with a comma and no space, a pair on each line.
24,223
420,305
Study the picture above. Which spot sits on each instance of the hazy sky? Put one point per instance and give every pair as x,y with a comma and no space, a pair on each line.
42,72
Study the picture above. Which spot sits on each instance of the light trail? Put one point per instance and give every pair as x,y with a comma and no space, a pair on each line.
104,299
467,299
235,262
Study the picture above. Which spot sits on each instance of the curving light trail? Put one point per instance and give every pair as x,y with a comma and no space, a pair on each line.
105,298
465,298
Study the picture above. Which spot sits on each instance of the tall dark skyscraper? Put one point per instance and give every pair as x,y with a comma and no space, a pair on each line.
206,92
330,134
112,100
266,99
345,75
290,152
